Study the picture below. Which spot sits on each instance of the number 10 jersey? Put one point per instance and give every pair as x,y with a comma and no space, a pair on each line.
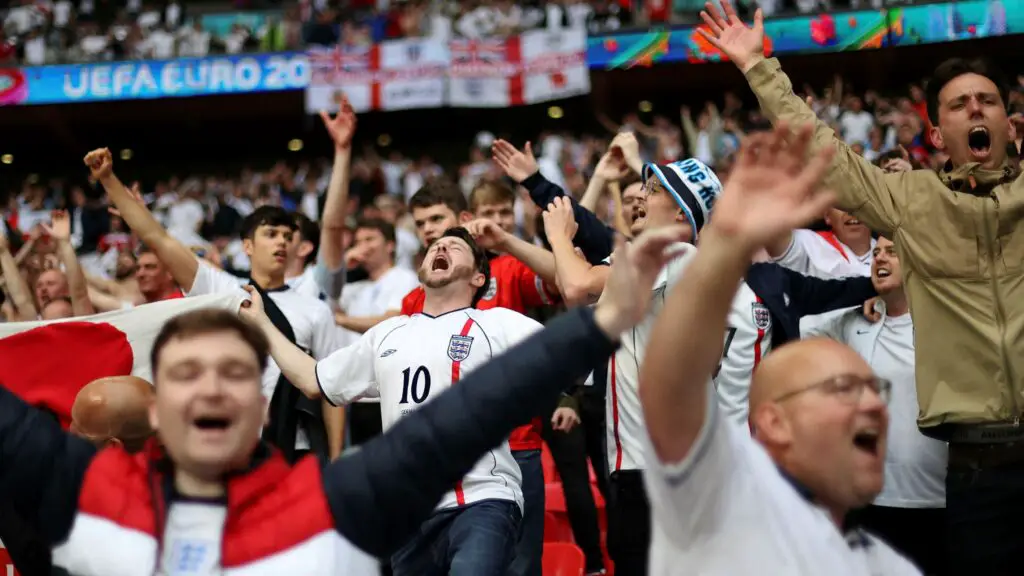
407,361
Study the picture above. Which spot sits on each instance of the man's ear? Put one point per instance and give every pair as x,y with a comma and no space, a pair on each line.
305,249
247,246
940,142
478,280
465,216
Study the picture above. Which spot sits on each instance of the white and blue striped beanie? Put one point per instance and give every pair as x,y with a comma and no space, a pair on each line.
694,186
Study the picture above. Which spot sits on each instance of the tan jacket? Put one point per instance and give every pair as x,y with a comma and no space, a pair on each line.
962,251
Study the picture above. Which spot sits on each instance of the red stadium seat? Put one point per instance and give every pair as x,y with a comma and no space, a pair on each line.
557,528
562,559
554,497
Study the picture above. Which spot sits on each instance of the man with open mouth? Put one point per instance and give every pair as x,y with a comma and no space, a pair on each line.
211,498
960,234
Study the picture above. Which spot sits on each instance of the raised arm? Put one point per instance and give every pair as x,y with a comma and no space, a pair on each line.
380,494
579,282
860,187
297,366
332,225
767,193
78,287
490,236
594,237
17,287
179,260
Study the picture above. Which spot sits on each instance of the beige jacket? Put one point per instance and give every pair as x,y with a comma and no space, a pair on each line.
960,239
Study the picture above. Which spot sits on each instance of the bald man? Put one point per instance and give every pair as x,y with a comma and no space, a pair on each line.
723,502
106,411
114,411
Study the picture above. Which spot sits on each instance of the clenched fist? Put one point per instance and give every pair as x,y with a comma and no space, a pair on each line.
100,163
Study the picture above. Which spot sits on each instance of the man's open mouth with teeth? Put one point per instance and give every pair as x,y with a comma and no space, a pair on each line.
979,141
868,441
440,263
281,254
638,213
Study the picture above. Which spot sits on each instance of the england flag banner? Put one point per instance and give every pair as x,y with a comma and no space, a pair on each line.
533,67
536,66
46,363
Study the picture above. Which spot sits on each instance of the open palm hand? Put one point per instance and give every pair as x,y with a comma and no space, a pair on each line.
343,126
774,187
516,165
743,44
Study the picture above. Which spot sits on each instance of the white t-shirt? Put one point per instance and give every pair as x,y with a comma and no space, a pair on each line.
311,320
625,427
193,538
810,254
187,214
407,245
748,339
856,126
410,360
726,510
915,465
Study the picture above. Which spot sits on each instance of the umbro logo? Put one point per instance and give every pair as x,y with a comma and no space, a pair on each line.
863,331
388,352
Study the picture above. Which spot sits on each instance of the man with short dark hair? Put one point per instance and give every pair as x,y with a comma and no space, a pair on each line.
202,497
960,235
296,426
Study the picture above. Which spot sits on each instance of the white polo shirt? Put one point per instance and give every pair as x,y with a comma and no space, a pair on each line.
915,465
311,320
727,510
408,361
811,254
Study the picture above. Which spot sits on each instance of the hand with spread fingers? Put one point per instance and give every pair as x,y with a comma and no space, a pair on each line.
775,187
742,44
559,219
59,227
517,165
343,126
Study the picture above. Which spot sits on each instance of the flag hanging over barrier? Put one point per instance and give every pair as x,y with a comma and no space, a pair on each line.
536,66
46,363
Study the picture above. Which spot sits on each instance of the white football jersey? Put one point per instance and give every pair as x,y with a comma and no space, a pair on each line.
409,360
625,427
748,338
811,254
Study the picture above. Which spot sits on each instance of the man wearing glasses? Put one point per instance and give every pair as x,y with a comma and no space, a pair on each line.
725,502
910,512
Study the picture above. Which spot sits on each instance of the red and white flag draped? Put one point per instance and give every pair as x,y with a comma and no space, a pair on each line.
533,67
46,363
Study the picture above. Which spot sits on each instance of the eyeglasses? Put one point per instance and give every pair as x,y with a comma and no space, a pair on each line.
847,387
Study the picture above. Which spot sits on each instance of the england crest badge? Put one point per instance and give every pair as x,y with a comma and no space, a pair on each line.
458,347
762,317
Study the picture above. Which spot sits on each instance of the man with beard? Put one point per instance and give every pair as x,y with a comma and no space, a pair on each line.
409,360
959,232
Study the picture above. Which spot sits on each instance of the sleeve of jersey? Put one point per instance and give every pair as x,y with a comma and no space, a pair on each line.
347,374
330,282
534,290
210,280
796,256
593,237
812,295
41,466
381,493
697,495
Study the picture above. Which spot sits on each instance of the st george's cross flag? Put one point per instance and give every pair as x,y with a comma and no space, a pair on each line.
46,363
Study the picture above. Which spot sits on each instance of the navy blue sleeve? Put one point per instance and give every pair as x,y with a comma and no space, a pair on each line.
810,295
382,492
41,466
593,237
